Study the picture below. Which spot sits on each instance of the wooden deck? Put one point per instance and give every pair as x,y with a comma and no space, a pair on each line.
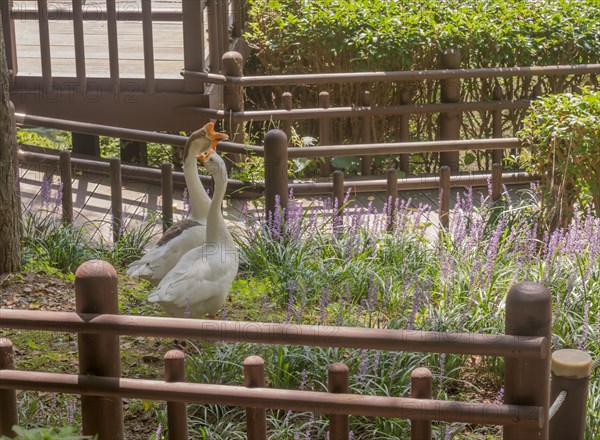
142,201
168,42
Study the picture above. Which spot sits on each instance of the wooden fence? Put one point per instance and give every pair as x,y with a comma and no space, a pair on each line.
450,108
525,347
276,153
126,99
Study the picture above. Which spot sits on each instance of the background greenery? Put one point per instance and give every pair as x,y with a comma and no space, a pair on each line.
292,36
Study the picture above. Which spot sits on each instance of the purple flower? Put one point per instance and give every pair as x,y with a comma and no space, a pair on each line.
303,380
158,431
311,421
59,195
45,190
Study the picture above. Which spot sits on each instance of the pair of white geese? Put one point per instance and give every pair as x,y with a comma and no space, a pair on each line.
195,261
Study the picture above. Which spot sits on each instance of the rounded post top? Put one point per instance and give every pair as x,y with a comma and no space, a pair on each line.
174,355
233,63
421,373
96,269
5,344
528,292
451,59
571,364
338,368
277,138
254,361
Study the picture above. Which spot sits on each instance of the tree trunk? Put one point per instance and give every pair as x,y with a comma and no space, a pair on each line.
10,256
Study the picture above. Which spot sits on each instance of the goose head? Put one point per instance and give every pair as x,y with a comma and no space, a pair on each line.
214,164
202,140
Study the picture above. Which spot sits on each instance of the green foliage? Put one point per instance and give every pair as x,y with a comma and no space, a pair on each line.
47,240
563,132
51,246
291,36
64,433
330,35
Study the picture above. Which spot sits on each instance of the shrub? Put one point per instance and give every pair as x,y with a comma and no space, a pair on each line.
564,134
291,36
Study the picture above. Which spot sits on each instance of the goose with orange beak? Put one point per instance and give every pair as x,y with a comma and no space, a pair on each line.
190,232
198,285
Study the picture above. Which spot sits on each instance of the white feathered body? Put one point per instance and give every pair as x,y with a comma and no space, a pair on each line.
198,285
160,259
200,282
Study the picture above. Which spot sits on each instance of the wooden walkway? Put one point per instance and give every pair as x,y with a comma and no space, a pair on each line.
168,42
142,201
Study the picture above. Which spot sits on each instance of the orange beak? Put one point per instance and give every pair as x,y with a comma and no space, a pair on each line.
202,157
215,136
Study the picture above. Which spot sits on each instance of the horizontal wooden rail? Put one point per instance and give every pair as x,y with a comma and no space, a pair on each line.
146,174
95,14
340,112
271,333
409,184
124,133
404,147
399,76
292,400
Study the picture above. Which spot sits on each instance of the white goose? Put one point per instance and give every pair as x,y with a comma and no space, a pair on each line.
199,283
191,232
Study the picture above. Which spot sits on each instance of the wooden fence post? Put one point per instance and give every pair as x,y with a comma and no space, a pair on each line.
8,398
87,144
213,36
67,186
404,129
96,292
236,30
392,197
444,212
571,370
325,132
166,187
233,99
450,121
527,381
116,197
254,377
421,387
134,151
286,104
337,382
176,411
497,155
223,20
276,171
193,42
496,181
365,133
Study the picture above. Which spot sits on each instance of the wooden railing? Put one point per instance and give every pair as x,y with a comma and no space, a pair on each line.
276,153
525,346
135,102
450,107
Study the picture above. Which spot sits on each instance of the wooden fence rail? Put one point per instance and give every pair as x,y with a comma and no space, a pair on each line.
525,347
